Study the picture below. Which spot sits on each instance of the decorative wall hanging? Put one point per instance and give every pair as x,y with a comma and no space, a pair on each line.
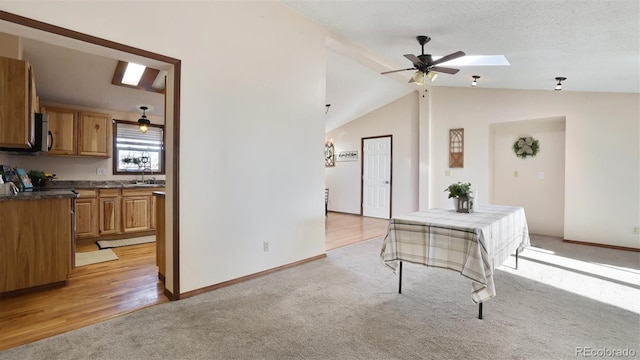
329,153
351,155
526,146
456,148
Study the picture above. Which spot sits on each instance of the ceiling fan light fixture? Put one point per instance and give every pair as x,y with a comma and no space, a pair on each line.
418,78
559,84
474,83
143,122
432,76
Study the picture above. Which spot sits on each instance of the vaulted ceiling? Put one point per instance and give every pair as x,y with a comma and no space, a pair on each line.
594,44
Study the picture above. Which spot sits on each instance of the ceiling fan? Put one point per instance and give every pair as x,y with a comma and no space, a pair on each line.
426,65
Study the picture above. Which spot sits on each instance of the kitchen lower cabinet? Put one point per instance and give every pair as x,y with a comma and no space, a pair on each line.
135,213
86,214
158,199
109,208
112,211
35,246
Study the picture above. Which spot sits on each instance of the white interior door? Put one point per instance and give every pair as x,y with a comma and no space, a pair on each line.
376,177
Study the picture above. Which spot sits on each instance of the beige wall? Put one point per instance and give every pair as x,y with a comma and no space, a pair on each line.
251,130
77,168
602,153
535,183
399,119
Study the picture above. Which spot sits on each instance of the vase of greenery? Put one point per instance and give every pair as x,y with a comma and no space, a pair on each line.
462,196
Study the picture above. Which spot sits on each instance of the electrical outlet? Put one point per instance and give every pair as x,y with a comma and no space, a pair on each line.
636,230
515,174
447,173
265,246
101,171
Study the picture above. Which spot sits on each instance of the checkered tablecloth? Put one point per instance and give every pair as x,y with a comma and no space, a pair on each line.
473,244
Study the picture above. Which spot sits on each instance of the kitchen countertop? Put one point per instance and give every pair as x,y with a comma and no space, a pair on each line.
37,195
95,184
63,188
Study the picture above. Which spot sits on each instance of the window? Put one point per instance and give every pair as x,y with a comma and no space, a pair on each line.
135,151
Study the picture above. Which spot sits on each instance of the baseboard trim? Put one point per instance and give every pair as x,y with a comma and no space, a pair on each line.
248,277
601,245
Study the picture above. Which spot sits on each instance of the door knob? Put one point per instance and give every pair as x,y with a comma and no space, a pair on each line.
386,182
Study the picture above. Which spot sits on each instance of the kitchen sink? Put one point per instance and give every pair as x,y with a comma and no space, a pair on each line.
141,185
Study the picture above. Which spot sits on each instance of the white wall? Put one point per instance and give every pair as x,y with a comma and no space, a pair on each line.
602,156
399,119
252,101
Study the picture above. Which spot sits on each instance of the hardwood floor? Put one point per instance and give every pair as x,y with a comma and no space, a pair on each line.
94,293
102,291
344,229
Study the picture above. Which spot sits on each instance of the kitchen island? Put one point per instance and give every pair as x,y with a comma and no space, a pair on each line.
36,239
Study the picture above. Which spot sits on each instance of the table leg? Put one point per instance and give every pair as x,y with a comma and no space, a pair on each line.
480,311
516,259
400,280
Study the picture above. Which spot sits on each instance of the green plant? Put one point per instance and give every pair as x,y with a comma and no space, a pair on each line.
526,146
131,160
457,189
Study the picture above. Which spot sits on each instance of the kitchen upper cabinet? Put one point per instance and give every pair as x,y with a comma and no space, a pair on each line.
17,104
109,204
62,124
94,132
79,133
86,214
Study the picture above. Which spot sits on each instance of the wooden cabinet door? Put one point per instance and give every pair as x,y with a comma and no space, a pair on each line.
14,103
62,124
86,214
94,134
86,218
135,213
109,215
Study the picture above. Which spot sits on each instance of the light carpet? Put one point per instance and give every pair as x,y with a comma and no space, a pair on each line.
347,306
106,244
94,257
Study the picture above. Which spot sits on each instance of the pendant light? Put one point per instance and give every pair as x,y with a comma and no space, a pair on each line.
474,83
143,122
559,84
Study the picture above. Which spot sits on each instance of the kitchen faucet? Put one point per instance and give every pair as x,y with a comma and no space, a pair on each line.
142,174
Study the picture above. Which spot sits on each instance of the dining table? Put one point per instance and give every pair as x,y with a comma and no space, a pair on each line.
473,244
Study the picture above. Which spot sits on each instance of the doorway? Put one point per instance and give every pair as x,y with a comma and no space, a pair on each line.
13,24
376,176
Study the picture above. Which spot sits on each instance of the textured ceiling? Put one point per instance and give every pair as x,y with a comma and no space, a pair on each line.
594,44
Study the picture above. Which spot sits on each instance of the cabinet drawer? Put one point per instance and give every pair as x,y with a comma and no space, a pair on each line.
109,192
138,192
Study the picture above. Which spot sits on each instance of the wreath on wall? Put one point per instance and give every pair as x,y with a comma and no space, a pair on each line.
526,146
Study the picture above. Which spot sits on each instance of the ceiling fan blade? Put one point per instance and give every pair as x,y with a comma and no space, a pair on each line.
444,70
392,71
414,59
451,56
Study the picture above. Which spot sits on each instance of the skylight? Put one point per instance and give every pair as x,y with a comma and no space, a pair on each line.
139,77
133,74
477,60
